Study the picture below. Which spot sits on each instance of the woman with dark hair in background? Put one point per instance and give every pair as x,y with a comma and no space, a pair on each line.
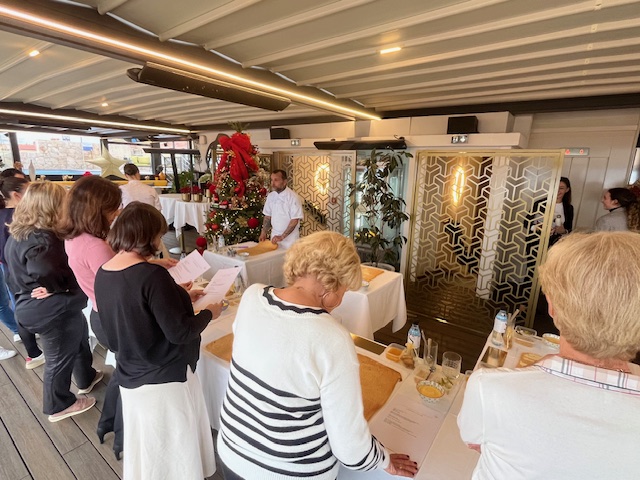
12,188
90,208
624,211
49,300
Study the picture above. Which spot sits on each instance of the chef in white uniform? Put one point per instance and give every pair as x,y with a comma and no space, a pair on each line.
282,212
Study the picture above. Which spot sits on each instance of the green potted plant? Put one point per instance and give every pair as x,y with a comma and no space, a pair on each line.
383,211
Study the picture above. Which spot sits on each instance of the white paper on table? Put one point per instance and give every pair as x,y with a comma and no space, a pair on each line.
218,287
189,268
404,425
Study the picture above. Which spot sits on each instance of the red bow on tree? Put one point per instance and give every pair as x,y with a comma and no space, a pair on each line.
238,156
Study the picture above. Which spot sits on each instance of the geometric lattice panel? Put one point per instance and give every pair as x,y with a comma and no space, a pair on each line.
473,248
319,179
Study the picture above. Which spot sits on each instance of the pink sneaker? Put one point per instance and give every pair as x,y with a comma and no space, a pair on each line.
82,405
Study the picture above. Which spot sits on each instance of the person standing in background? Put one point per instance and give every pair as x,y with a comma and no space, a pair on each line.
624,211
14,184
49,300
282,212
136,191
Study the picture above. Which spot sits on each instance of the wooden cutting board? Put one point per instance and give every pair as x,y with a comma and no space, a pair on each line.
369,273
377,381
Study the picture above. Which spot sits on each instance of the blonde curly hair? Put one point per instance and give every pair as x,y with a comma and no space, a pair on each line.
39,209
593,283
329,257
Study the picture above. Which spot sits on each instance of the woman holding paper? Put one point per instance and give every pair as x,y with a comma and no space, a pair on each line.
295,410
149,322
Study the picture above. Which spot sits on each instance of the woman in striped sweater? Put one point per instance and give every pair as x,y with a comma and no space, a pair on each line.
293,407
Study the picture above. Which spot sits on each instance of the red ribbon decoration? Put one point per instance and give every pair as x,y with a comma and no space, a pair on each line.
238,156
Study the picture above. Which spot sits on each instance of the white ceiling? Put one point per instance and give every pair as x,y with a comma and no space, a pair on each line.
453,53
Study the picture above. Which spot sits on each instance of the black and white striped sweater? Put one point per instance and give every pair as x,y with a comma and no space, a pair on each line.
293,407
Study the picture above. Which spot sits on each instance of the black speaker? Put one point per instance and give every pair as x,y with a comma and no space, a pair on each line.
279,133
462,125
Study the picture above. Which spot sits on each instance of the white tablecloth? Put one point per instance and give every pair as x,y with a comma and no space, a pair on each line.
447,458
190,213
265,268
168,204
369,309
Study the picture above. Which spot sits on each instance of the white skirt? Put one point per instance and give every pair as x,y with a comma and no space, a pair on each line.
166,432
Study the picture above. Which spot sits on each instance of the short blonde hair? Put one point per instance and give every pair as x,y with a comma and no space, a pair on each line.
593,283
329,257
39,209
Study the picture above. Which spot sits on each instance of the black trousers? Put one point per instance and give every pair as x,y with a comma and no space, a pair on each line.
111,417
29,341
65,341
229,474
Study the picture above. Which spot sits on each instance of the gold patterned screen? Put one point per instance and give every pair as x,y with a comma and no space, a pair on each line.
320,179
474,246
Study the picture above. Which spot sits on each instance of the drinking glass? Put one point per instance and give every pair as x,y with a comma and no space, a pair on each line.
451,364
430,355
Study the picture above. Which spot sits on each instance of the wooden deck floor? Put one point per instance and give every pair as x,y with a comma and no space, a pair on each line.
33,448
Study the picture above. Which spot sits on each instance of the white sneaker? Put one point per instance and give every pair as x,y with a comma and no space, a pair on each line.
31,363
4,353
16,338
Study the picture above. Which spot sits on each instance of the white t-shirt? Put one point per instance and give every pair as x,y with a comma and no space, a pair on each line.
282,208
532,425
136,191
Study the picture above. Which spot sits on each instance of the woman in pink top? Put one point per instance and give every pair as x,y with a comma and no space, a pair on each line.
90,208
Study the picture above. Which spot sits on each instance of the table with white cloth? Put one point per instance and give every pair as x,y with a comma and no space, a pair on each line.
369,309
190,213
447,456
168,204
264,268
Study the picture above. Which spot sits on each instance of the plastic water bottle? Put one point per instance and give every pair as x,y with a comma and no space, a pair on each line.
499,327
220,242
414,336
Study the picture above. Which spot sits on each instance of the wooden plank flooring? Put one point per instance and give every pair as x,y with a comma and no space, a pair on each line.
31,447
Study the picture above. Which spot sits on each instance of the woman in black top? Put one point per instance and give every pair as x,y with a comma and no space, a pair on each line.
150,324
49,300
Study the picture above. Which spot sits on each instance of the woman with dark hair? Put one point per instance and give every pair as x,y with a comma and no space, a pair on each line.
49,300
89,210
624,211
150,324
563,212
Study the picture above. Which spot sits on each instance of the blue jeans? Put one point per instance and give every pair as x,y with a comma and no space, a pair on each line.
6,311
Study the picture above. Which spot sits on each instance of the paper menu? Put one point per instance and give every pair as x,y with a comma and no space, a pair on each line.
218,287
405,426
189,268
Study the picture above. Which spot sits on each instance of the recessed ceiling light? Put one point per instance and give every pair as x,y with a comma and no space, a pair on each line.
390,50
34,53
104,104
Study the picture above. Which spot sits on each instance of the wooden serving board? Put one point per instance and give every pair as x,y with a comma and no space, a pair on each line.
369,273
377,381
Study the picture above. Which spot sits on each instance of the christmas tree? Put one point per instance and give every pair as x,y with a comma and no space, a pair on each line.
238,190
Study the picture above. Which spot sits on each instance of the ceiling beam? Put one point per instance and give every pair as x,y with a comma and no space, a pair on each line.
205,18
336,39
302,17
106,6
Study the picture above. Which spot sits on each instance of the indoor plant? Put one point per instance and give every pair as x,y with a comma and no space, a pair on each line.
383,210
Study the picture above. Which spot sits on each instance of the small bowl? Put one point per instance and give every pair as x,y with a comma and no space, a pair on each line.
394,351
551,340
525,336
243,254
365,284
430,392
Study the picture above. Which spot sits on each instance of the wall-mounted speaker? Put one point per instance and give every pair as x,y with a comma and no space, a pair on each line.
277,133
462,125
